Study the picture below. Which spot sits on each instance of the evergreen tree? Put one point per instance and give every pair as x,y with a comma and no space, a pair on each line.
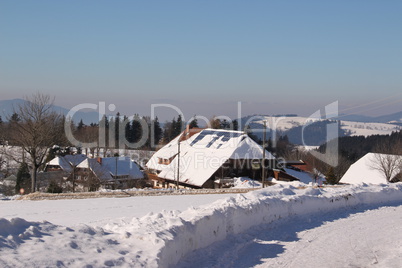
104,122
116,129
15,118
269,145
225,124
157,131
127,128
193,123
80,125
252,136
52,153
282,146
112,131
330,177
167,132
136,129
173,127
104,129
1,131
62,139
235,125
178,127
23,178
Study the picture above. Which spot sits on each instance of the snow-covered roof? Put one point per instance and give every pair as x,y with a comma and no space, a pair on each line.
124,166
362,171
75,159
61,162
67,162
303,176
203,154
101,172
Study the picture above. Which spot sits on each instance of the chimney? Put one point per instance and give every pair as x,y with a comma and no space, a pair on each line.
186,134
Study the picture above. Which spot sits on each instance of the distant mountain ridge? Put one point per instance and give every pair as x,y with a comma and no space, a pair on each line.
7,109
313,131
389,118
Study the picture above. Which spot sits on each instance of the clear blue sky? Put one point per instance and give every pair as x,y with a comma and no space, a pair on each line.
205,56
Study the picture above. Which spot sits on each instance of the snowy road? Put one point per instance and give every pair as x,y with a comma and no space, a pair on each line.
353,238
98,211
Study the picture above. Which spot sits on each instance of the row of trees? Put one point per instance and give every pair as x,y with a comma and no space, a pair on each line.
141,132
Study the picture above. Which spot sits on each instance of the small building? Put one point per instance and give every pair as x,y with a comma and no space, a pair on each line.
294,164
362,171
198,158
108,172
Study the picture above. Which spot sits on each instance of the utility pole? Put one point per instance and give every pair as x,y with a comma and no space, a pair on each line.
185,132
178,163
263,154
115,178
74,166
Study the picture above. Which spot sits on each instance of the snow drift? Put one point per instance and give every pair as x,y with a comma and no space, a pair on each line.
204,226
162,239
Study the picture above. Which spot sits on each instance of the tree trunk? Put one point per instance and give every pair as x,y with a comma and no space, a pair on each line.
33,180
73,179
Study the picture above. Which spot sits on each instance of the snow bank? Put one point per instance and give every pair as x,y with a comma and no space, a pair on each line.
201,227
162,239
245,182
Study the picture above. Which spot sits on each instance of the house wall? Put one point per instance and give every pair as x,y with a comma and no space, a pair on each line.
86,180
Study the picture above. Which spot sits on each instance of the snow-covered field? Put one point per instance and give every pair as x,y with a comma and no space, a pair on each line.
368,129
354,128
98,211
280,226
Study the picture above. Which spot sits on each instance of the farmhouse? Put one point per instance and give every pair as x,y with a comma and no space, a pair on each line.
363,171
64,163
203,158
108,172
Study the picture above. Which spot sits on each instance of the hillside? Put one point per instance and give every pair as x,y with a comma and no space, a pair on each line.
314,130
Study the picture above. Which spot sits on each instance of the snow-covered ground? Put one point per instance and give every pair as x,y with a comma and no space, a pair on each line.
271,227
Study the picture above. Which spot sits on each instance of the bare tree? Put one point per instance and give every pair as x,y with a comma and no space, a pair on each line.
37,130
388,160
388,164
215,123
